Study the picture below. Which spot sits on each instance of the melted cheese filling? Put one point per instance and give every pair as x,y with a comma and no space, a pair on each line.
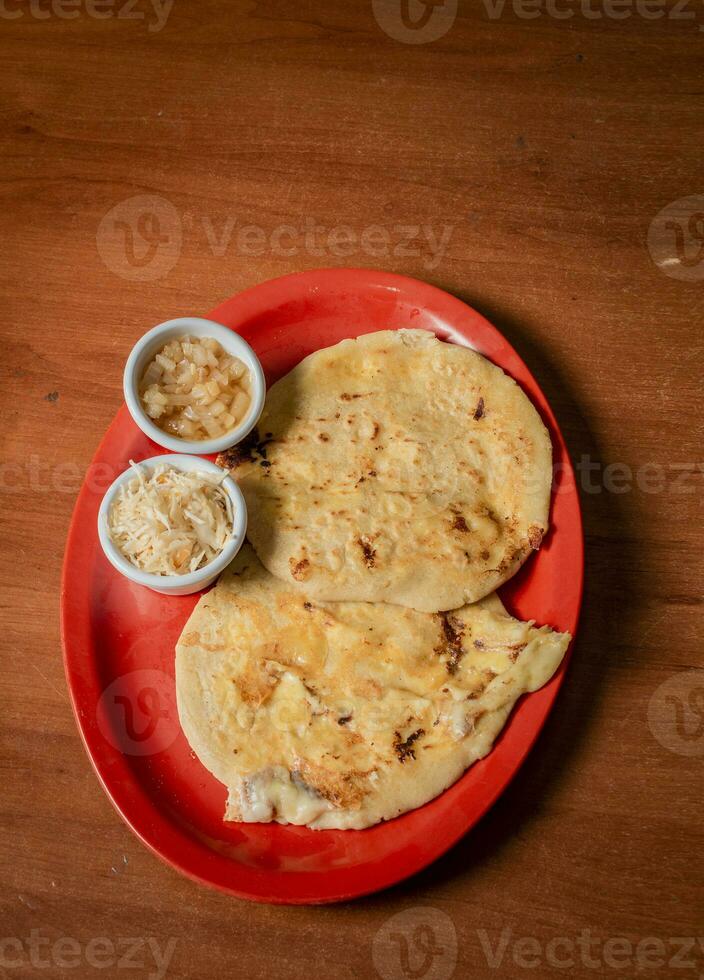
343,714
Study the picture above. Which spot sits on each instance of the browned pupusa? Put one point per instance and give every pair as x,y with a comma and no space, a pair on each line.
341,714
396,468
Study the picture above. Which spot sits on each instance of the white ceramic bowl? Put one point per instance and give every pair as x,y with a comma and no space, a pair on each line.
152,342
176,584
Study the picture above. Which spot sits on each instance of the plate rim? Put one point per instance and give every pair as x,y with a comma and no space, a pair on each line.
124,803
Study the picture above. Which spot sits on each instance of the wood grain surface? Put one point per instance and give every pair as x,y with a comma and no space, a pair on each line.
548,147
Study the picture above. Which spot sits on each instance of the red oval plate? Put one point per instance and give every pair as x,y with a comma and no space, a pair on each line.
119,638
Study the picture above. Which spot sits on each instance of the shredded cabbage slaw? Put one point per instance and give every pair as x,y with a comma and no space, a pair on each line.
169,521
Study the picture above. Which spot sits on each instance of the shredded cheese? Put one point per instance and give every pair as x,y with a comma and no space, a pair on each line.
170,522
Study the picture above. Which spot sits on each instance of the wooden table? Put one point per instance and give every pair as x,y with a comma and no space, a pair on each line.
517,161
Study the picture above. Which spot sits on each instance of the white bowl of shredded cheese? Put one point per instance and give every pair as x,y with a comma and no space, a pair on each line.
172,523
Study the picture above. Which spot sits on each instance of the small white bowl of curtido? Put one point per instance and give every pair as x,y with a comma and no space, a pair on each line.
194,386
172,523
